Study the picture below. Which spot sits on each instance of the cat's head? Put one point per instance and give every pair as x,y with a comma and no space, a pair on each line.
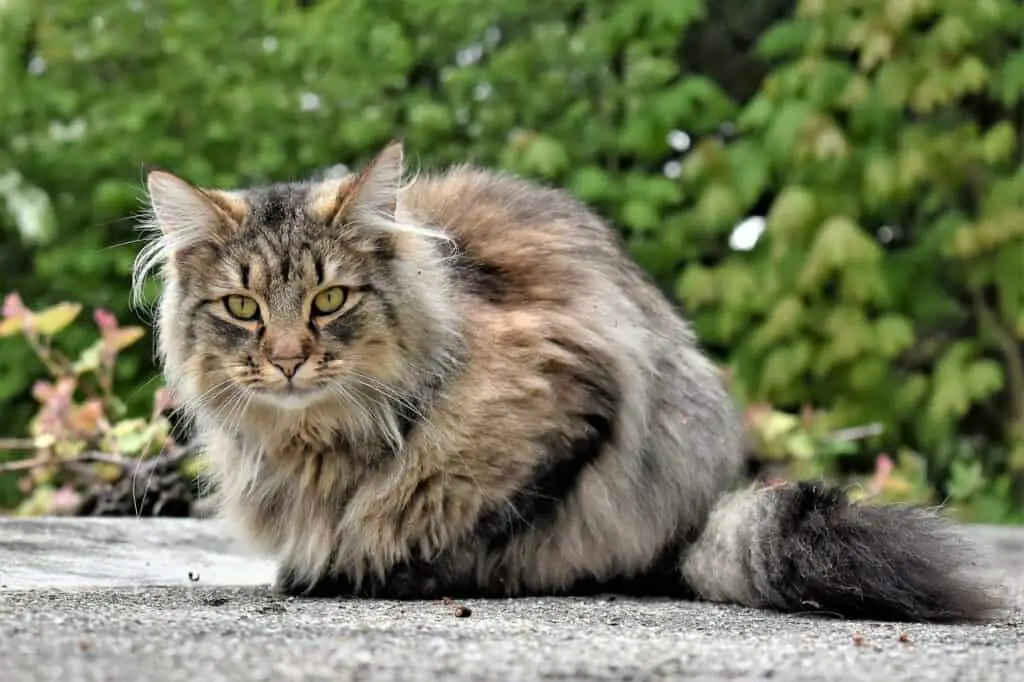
293,294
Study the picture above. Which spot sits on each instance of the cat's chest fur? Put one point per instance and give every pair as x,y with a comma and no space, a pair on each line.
299,477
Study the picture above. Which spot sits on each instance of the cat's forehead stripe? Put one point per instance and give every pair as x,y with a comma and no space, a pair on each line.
278,206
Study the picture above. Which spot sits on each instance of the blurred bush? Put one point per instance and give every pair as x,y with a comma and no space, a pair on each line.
887,285
881,284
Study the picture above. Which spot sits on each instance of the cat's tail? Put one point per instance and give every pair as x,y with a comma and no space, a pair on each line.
804,547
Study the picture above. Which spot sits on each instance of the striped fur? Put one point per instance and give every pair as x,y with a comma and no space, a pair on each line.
506,407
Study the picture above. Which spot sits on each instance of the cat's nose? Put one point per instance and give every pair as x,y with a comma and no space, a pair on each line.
285,350
288,366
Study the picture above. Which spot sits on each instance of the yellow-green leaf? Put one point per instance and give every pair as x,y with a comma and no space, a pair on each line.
11,326
984,377
840,244
952,32
999,143
879,180
893,334
718,207
1017,457
55,318
131,436
90,359
126,336
801,445
792,211
696,286
785,318
972,74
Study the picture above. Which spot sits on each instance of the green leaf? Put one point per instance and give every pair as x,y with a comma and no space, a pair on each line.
952,32
895,82
592,183
90,359
1008,82
783,39
801,445
786,317
972,75
750,171
880,173
840,244
640,215
792,212
783,367
984,378
868,374
757,114
967,479
131,436
785,128
893,334
696,287
677,14
718,207
999,143
541,155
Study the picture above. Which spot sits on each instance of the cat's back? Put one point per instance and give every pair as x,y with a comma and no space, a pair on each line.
517,240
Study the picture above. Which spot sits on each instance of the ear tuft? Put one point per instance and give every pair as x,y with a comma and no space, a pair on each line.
184,212
182,216
375,190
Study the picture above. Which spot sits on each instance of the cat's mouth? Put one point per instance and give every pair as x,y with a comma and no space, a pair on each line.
290,396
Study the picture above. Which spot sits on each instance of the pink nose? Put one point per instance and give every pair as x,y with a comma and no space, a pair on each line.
288,366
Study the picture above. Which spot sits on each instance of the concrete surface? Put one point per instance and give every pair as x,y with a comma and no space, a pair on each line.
112,600
123,552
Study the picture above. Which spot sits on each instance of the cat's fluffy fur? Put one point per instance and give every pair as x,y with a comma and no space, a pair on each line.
505,406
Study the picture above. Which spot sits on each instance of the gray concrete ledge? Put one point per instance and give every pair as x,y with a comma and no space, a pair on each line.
123,552
90,599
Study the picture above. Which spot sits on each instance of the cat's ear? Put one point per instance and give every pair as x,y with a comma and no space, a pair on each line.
374,192
187,214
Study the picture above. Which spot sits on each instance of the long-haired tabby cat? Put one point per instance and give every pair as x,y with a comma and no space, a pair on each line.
463,386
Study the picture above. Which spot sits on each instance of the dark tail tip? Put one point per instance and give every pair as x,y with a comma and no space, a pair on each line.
823,553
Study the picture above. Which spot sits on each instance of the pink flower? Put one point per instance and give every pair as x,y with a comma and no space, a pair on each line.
883,469
105,320
65,500
13,307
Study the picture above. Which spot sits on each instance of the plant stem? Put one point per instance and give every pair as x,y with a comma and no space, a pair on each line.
17,444
85,458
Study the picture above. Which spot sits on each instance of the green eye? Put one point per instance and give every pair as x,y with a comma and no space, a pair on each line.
329,301
241,307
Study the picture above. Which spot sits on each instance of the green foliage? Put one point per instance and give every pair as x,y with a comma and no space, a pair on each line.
890,268
882,150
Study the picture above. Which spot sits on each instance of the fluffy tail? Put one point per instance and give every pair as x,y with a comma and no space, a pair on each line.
804,547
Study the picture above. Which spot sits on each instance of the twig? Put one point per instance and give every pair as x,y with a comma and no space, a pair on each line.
17,444
85,458
858,432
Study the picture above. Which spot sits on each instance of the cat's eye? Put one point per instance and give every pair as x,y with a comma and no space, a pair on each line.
329,301
242,307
